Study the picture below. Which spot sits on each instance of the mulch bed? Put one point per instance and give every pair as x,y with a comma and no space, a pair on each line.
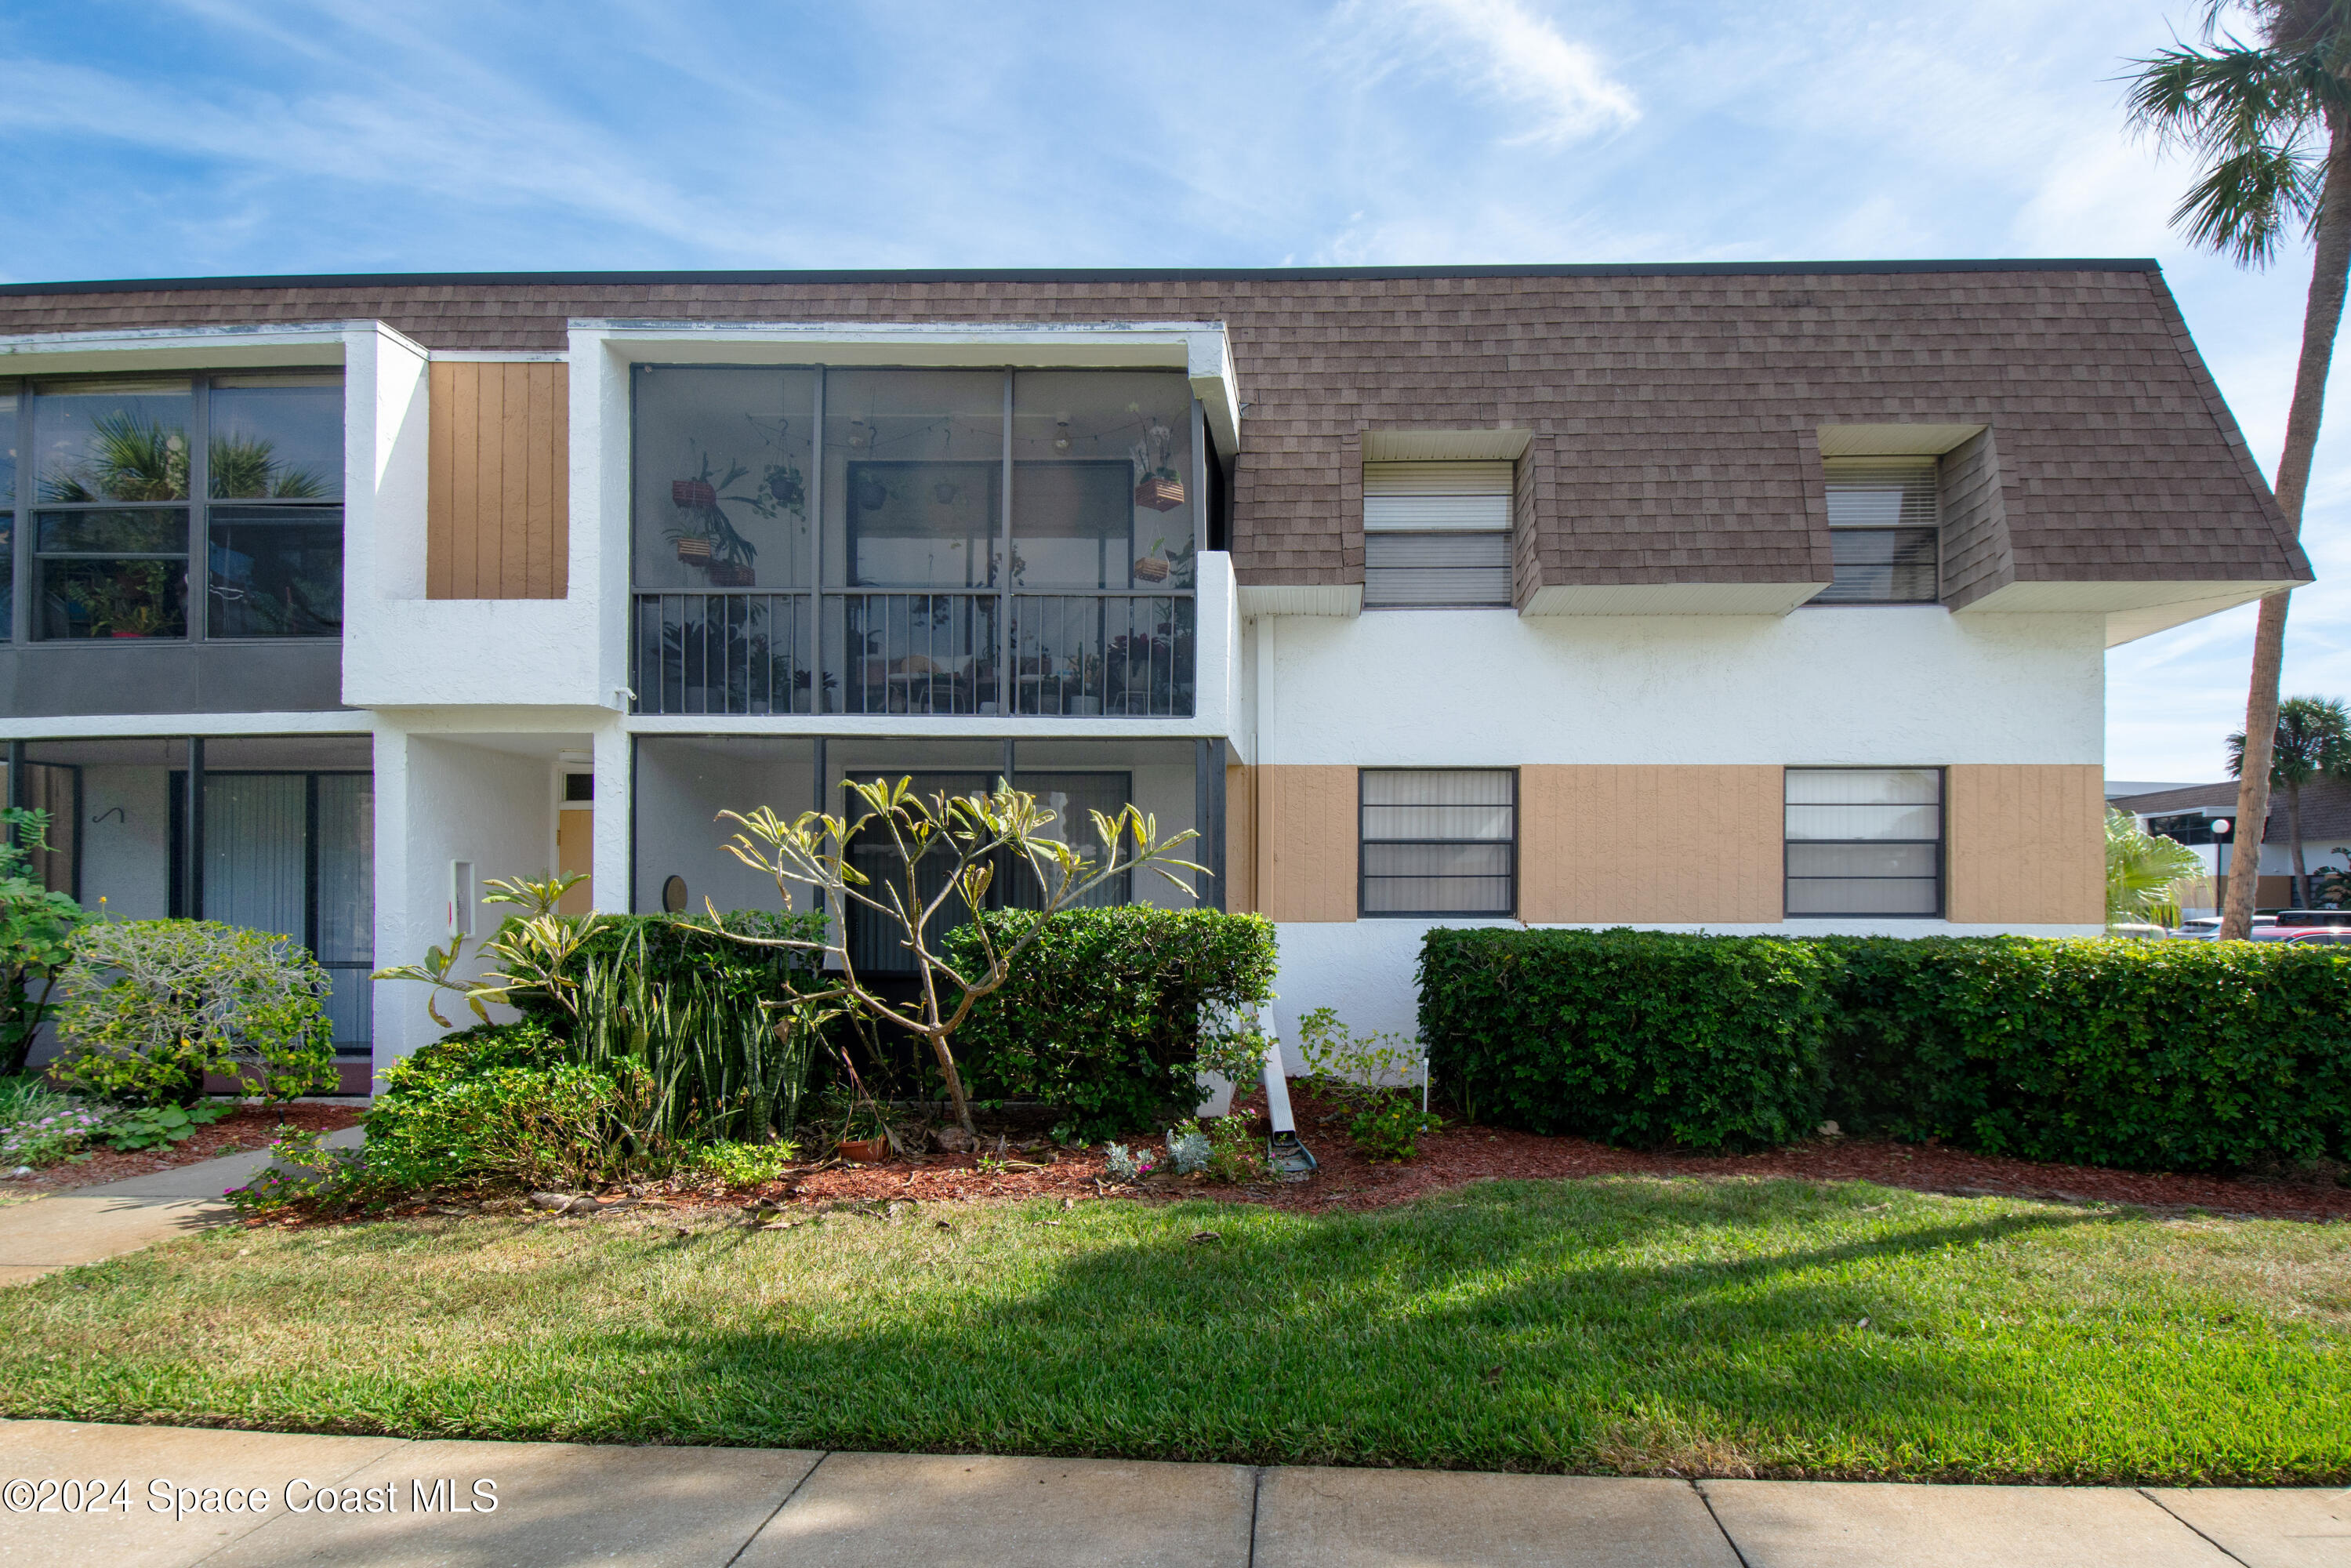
1457,1155
249,1127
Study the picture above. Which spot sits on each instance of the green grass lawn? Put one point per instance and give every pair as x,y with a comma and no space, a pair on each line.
1635,1324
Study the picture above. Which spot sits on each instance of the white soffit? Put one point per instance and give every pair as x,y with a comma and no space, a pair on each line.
1445,445
1336,599
182,348
2133,610
1671,599
1894,440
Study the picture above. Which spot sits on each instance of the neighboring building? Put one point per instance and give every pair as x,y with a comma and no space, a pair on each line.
2187,811
1736,597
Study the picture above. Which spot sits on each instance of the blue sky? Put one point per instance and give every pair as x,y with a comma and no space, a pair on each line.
160,139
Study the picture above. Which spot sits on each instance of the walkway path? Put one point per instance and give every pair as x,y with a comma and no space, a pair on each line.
177,1497
85,1224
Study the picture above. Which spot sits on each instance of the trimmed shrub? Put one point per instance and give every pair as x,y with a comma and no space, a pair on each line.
152,1006
2148,1055
494,1104
1106,1016
2145,1055
1627,1037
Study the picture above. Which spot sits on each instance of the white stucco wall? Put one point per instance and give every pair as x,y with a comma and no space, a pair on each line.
681,788
440,798
1895,685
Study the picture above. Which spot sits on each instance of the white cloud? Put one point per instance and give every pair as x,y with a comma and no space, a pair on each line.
1499,49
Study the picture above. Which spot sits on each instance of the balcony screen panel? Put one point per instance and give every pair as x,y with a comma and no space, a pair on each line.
92,597
914,471
1102,487
112,441
1071,798
1404,571
8,416
8,575
160,530
275,572
274,437
724,461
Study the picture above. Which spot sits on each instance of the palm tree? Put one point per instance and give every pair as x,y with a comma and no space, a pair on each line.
2142,870
2313,741
2270,126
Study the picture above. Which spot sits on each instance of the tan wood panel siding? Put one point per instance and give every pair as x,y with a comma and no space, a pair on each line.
496,514
1306,842
1637,842
2026,844
1240,838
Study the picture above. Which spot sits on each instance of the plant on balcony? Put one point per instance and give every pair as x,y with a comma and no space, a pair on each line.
705,536
1156,484
975,833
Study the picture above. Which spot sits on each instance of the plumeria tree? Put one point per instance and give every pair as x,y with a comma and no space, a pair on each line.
967,837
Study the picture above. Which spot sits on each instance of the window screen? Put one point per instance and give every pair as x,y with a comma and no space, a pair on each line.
1865,841
1437,535
1884,536
1440,842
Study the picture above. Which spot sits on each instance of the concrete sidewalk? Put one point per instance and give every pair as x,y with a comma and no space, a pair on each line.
85,1224
156,1497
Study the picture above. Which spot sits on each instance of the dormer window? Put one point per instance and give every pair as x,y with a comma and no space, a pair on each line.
1884,530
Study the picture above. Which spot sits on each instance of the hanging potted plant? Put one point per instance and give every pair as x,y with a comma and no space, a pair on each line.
1156,484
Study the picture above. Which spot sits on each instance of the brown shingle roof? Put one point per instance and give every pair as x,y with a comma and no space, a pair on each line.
1673,407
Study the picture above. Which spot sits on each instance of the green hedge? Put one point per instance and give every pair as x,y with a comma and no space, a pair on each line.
1102,1016
2148,1055
1627,1037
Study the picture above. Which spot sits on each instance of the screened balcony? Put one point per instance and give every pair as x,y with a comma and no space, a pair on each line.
896,541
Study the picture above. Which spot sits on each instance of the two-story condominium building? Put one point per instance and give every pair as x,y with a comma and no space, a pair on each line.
1735,596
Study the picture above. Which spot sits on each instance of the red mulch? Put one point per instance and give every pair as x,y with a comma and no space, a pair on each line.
1458,1155
248,1128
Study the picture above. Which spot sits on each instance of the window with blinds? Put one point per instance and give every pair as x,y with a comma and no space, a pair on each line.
1437,535
1865,841
1439,842
1884,530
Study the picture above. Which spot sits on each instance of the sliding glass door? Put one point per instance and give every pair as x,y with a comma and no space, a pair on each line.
293,853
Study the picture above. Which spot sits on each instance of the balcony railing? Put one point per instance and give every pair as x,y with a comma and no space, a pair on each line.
1115,653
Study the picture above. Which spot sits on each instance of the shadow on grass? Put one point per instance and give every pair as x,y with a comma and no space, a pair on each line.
1691,1326
1653,1326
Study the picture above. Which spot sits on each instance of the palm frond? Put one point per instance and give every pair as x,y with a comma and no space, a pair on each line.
2243,203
